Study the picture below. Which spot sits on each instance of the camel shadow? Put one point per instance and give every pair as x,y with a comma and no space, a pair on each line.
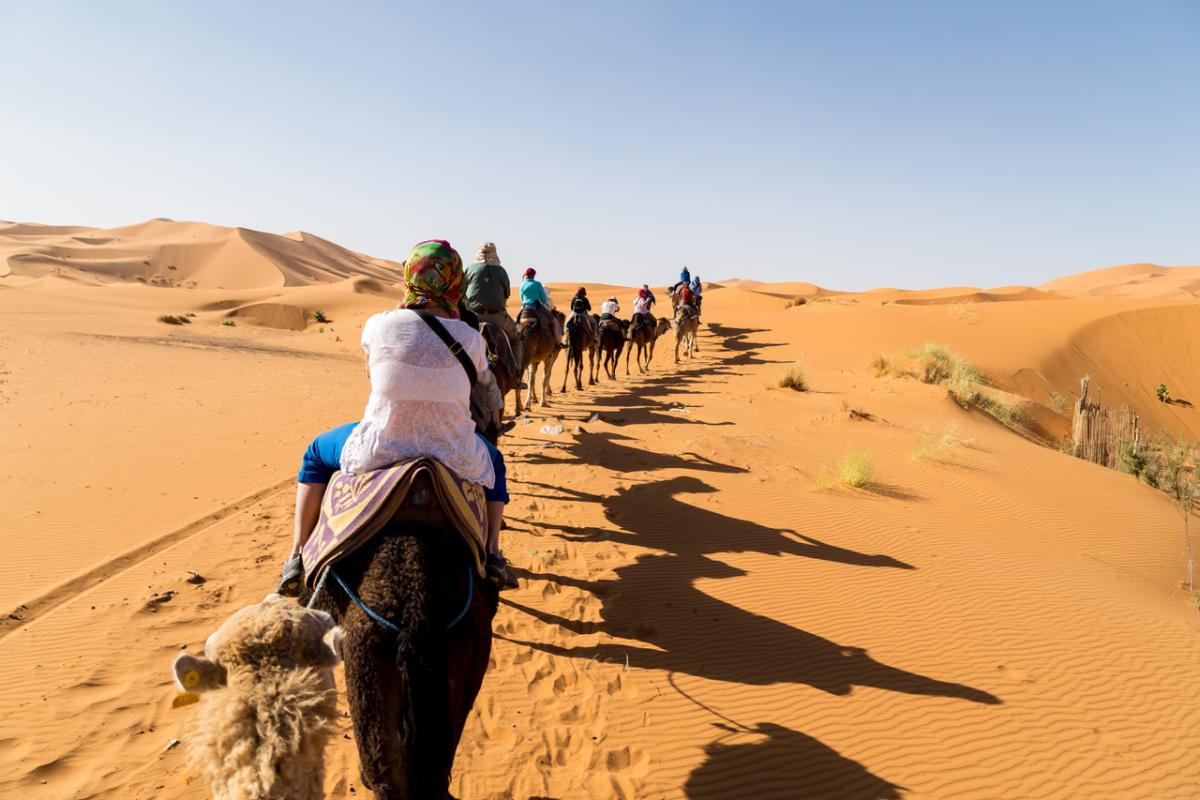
657,601
786,765
604,449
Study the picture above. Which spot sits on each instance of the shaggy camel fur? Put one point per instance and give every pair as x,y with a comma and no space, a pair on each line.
260,732
410,693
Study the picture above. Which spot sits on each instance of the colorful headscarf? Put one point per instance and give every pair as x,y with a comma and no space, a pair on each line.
433,275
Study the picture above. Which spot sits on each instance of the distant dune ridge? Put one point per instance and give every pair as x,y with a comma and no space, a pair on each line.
191,255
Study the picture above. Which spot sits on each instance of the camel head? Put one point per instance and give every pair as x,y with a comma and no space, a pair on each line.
662,326
273,635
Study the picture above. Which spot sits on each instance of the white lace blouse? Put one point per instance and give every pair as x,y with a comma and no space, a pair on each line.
420,398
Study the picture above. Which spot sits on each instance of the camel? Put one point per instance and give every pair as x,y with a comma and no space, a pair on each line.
686,327
580,338
612,342
644,336
538,346
270,708
411,692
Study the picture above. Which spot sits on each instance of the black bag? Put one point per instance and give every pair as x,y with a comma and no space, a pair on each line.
452,343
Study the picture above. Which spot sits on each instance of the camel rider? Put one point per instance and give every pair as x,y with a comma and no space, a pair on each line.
641,311
697,288
535,297
609,309
650,294
687,300
486,292
419,407
685,279
581,309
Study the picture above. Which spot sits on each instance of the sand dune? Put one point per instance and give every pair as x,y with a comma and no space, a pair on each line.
697,617
184,254
1142,281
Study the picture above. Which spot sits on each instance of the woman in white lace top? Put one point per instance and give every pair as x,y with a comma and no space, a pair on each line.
419,405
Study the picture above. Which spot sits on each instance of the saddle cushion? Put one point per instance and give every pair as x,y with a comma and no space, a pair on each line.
356,507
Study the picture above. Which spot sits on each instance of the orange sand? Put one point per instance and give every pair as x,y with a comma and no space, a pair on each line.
696,617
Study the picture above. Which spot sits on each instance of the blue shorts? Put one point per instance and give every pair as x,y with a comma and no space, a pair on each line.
324,457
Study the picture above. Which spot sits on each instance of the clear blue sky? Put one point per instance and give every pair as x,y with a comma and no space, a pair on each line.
854,144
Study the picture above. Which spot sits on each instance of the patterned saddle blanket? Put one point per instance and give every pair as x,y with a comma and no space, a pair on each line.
356,507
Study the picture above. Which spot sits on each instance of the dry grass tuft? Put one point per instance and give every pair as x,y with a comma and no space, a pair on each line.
855,469
881,365
1060,404
171,319
796,301
796,378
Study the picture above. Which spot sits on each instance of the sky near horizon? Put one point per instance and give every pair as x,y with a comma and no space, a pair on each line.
851,144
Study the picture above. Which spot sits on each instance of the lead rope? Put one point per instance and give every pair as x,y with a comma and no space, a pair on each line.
381,619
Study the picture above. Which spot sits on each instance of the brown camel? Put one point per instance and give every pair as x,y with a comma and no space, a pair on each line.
538,346
580,339
410,692
644,336
612,342
686,327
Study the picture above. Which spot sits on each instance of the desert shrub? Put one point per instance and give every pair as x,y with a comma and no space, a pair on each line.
795,377
796,301
229,323
1163,393
881,365
319,316
1059,403
855,469
1134,461
171,319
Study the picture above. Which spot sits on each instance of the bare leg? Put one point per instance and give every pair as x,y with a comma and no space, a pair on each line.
495,513
308,511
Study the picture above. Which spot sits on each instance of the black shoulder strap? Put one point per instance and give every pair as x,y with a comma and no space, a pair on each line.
452,343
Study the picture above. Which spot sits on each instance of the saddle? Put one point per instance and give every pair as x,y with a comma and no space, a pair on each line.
612,323
357,507
688,310
536,317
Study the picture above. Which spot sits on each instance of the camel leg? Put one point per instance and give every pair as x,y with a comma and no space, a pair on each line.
628,353
546,391
678,339
567,371
533,398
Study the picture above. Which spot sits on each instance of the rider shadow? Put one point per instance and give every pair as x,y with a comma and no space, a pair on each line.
785,765
601,449
656,600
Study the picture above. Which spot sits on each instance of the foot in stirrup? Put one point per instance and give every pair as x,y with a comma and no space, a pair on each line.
292,577
499,573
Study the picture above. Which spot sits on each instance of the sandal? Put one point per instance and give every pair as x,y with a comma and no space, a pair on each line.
292,577
499,573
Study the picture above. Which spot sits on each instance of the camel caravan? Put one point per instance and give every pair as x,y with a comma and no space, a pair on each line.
395,566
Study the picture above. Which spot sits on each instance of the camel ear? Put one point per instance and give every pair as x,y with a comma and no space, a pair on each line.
332,646
197,673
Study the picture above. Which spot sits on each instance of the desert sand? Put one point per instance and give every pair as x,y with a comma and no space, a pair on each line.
700,615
